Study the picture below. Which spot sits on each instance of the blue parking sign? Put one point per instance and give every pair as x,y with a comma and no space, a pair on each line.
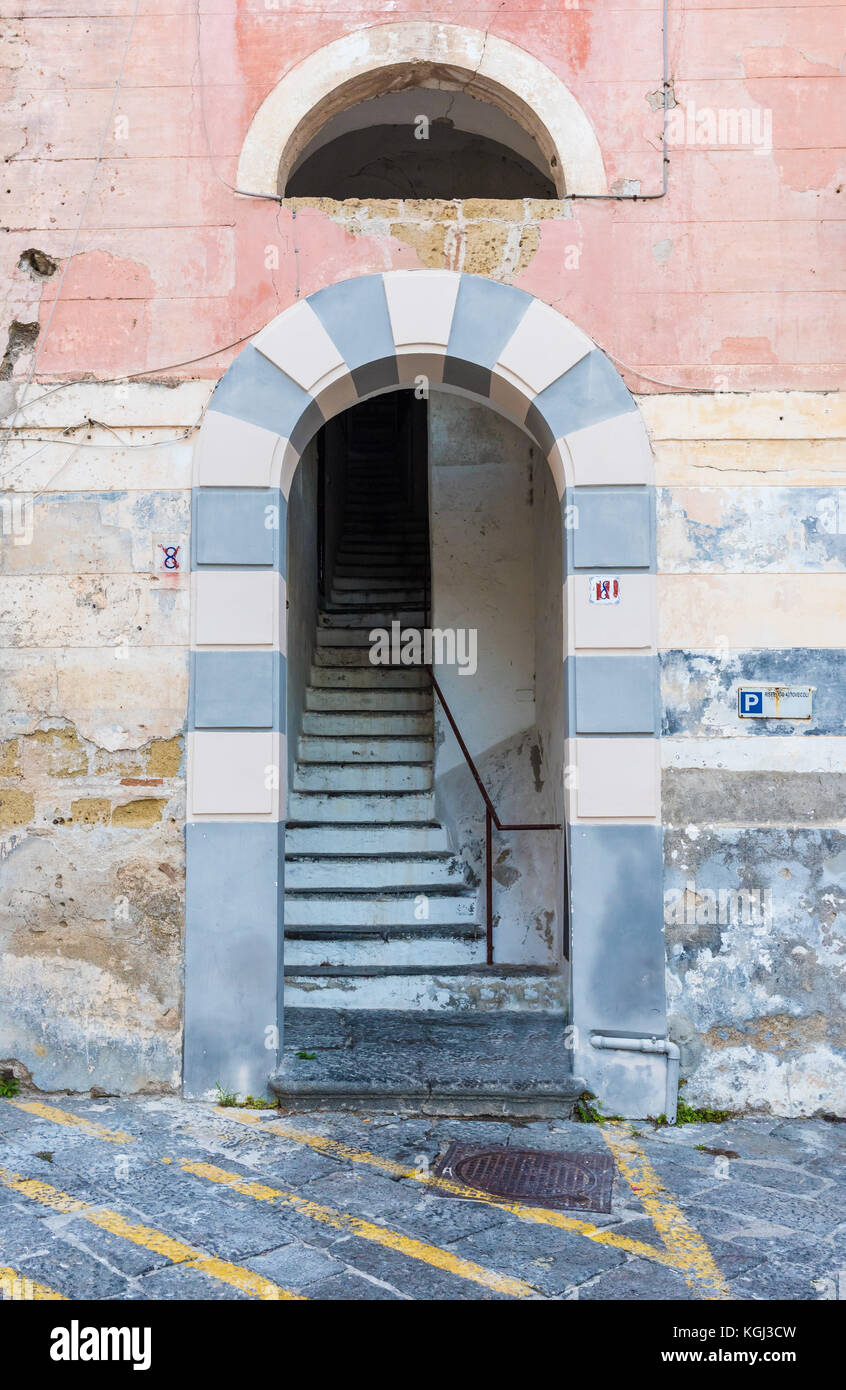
775,701
751,701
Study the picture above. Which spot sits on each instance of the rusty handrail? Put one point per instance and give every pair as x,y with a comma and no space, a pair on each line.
491,817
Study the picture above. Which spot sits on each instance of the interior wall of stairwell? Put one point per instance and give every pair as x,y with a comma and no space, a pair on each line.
334,478
492,533
549,688
301,593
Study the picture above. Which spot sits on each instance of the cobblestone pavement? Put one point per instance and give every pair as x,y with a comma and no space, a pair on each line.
163,1199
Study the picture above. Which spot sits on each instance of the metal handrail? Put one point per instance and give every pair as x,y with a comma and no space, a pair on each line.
491,818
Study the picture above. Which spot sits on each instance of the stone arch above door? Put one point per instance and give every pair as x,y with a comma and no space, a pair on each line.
495,343
390,57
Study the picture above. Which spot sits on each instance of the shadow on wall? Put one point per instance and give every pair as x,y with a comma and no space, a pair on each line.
497,567
421,143
527,866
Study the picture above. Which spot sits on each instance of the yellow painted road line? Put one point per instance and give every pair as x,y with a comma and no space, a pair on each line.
691,1255
64,1117
367,1230
430,1254
19,1288
175,1250
333,1148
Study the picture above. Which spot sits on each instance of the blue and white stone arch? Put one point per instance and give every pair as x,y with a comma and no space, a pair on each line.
496,343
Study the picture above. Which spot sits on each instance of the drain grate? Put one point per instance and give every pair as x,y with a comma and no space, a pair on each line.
559,1181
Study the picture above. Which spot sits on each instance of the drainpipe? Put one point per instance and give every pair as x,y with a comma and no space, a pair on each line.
654,1044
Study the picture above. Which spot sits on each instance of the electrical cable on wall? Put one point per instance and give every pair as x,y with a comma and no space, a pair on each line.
90,190
147,373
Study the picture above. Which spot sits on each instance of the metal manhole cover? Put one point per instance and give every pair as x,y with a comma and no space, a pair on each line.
560,1181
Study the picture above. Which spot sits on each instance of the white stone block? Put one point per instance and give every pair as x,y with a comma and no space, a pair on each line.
543,346
421,306
299,345
612,451
617,778
233,453
234,774
238,608
627,625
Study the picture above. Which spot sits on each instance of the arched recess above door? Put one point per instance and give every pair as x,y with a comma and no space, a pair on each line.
393,57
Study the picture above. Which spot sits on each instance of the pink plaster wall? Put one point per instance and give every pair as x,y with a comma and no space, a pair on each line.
170,264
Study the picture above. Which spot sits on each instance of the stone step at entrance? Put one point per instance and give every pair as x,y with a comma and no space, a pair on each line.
522,988
492,1064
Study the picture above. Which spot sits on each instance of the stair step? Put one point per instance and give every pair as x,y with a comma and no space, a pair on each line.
339,807
369,503
372,584
370,574
378,700
345,620
345,637
363,777
399,908
512,1065
351,607
359,634
384,531
368,838
356,544
351,654
364,598
367,618
368,677
380,748
374,873
304,950
518,988
379,559
366,723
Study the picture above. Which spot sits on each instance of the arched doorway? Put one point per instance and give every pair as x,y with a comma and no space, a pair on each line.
492,343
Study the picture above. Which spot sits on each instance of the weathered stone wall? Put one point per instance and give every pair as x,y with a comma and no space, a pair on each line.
751,587
94,689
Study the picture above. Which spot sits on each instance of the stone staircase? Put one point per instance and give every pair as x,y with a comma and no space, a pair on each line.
381,917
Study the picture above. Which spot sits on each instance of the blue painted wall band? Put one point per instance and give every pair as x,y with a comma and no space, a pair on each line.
235,886
617,907
485,318
613,528
234,526
237,690
612,695
355,315
255,390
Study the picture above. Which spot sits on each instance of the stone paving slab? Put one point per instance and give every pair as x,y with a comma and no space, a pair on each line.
639,1280
296,1266
771,1221
552,1260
